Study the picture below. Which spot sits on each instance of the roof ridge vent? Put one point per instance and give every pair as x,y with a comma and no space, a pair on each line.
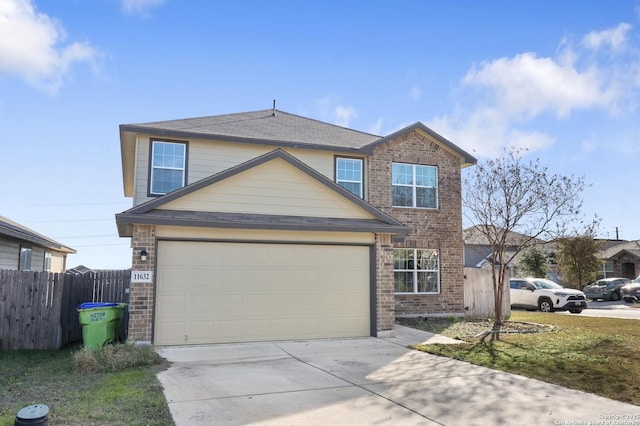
273,112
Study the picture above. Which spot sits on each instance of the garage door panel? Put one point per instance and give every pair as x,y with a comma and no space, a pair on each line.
173,331
250,292
228,305
201,305
200,331
172,305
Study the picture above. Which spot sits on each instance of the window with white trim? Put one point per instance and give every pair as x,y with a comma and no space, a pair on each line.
25,258
168,167
349,174
416,271
47,261
414,186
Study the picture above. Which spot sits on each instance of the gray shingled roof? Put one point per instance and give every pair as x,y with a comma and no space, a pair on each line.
282,129
632,247
13,229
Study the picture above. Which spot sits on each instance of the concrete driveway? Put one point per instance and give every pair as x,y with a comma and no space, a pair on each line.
366,381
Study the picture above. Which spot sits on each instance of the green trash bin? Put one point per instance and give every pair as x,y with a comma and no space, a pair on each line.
100,323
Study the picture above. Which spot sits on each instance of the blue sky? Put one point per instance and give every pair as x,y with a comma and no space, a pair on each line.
561,78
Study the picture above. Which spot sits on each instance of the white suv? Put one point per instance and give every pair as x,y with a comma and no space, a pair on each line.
539,293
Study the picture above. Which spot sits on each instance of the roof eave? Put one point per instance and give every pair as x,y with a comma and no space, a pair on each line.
125,223
128,155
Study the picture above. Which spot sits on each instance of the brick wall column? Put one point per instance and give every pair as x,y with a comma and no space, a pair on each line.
385,315
141,294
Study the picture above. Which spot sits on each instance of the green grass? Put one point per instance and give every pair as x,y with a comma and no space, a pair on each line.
113,386
595,355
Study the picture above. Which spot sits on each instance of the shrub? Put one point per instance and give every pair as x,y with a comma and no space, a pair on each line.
115,357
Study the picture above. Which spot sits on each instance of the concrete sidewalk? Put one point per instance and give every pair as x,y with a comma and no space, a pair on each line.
366,381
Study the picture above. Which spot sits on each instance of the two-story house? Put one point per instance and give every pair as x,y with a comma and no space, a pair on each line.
270,226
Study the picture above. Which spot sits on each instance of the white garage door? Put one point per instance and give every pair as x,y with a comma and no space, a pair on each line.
238,292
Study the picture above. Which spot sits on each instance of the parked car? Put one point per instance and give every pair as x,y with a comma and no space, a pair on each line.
630,292
545,295
606,289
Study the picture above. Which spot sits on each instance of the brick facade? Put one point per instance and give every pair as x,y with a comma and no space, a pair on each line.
625,265
141,294
385,303
432,229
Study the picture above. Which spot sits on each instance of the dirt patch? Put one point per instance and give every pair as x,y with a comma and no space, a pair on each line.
460,329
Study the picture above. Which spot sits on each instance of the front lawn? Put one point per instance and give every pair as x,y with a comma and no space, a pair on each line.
77,395
595,355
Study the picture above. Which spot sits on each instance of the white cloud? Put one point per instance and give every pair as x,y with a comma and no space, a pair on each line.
332,110
415,93
615,38
139,7
485,131
343,115
500,98
525,86
376,127
31,46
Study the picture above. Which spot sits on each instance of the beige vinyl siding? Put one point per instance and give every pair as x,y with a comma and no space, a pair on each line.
206,158
58,261
9,254
264,235
275,187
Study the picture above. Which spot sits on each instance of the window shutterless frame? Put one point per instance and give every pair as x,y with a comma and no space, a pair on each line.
167,166
25,258
414,186
47,261
416,271
349,174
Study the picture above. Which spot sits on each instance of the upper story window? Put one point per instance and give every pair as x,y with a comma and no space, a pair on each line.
25,258
349,174
414,186
168,166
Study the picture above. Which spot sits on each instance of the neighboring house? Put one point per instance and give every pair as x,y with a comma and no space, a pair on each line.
23,249
270,226
477,251
622,259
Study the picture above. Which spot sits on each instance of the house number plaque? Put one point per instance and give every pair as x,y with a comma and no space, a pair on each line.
141,276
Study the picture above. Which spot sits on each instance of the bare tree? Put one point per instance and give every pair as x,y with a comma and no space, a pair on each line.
509,194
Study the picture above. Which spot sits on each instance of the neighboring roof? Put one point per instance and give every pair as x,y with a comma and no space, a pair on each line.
476,255
612,243
474,236
80,270
148,213
267,127
631,247
13,229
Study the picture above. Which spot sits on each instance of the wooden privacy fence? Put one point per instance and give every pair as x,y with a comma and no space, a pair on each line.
478,295
38,309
